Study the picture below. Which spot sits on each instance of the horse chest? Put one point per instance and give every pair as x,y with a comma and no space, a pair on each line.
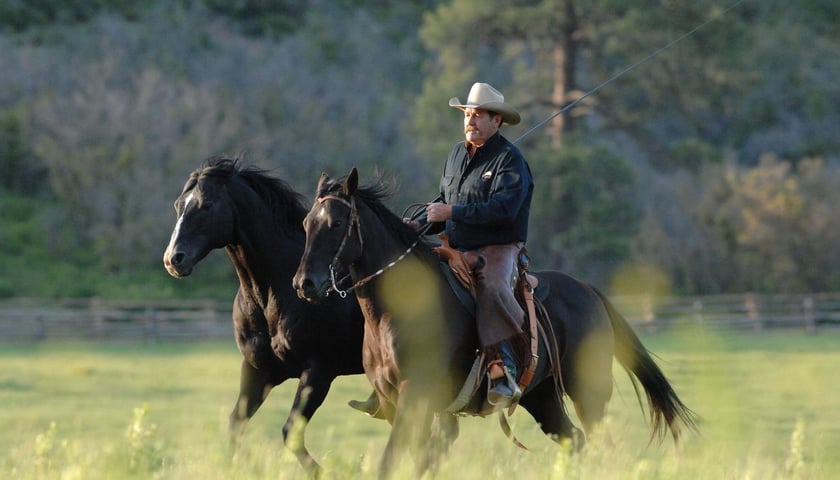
264,336
380,357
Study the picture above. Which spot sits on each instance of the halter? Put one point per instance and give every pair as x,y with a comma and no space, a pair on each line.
353,220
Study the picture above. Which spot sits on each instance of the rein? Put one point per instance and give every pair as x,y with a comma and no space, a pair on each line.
354,221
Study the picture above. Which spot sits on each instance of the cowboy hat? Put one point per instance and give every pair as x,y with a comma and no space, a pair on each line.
485,97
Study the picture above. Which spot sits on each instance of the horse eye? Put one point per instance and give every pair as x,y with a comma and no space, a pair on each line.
337,224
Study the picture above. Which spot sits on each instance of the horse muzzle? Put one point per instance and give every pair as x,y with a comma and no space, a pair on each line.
177,264
310,289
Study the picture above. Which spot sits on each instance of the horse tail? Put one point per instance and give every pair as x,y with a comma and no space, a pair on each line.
664,406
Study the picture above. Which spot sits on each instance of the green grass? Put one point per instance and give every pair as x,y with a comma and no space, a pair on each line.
768,405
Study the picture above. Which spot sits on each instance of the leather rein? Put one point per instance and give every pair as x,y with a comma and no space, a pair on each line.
353,221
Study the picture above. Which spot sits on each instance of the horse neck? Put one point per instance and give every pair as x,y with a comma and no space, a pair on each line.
380,245
266,252
381,248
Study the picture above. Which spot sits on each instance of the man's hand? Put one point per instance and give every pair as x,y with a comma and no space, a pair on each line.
412,223
438,212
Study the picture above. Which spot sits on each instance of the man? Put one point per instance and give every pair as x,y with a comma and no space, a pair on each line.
486,190
485,193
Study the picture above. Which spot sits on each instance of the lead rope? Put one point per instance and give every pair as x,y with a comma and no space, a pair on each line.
343,293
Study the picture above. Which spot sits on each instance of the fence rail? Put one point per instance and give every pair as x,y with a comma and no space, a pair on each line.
810,312
34,320
27,319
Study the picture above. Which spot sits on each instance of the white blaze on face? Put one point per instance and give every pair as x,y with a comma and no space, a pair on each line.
180,220
322,212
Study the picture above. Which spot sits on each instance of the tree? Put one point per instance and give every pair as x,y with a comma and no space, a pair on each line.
583,214
764,228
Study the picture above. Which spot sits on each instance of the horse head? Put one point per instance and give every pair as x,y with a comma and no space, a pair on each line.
206,218
333,236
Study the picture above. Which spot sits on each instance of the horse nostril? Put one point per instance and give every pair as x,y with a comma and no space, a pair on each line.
177,259
303,284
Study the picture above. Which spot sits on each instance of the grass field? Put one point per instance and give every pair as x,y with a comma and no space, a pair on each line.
768,403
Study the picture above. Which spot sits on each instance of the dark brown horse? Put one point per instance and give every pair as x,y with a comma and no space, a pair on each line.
417,366
258,219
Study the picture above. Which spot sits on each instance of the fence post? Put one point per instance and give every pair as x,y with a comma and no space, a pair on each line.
98,315
151,326
40,329
697,306
810,316
752,312
647,313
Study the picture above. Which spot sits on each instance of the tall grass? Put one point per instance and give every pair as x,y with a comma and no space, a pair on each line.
91,411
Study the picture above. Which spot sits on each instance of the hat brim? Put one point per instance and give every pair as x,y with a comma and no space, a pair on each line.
509,115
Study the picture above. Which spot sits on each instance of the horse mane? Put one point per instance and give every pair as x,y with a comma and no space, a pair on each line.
284,203
374,196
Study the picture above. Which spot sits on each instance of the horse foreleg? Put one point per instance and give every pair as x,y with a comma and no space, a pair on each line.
253,390
411,430
445,430
311,392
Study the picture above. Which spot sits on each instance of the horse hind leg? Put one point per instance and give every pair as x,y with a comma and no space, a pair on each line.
547,408
590,384
590,414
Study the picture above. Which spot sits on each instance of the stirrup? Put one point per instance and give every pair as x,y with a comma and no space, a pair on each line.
496,398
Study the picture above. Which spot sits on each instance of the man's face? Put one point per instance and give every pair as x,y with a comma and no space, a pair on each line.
479,125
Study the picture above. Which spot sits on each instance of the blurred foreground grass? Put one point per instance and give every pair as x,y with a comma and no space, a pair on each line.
768,405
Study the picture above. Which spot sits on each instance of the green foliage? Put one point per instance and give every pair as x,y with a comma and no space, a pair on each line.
583,216
43,259
262,17
20,15
17,211
107,105
144,451
22,171
764,228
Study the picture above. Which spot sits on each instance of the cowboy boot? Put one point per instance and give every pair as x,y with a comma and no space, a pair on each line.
503,390
370,406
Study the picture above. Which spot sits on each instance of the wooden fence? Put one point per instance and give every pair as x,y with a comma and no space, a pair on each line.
750,312
34,320
26,319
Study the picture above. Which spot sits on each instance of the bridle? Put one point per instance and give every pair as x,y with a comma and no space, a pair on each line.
353,221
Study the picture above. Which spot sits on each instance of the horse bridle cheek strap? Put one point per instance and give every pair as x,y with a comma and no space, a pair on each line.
352,220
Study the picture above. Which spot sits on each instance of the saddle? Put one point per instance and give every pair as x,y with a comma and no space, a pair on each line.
462,266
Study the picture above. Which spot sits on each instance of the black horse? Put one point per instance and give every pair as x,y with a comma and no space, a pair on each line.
417,368
258,219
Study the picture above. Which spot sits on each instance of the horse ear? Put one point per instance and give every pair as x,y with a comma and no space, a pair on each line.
352,182
321,182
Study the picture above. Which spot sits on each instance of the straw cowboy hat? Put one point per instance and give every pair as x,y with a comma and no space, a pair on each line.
485,97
